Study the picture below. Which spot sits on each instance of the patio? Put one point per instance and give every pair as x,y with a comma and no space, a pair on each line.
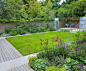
11,59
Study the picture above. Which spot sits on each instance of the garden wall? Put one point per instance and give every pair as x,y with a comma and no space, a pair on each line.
41,23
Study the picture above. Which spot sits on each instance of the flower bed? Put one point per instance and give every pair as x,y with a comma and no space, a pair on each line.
25,29
62,57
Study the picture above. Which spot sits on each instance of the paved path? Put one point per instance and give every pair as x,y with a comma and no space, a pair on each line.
11,59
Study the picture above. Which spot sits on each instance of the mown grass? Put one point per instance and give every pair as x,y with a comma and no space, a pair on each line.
29,44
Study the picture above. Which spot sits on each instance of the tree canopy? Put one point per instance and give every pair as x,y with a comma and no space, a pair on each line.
41,10
74,9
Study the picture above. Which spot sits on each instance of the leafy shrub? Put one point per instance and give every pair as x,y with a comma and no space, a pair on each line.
52,29
26,27
43,29
69,63
38,29
39,65
33,30
5,35
47,27
52,69
7,30
20,30
56,69
13,33
31,60
14,29
78,67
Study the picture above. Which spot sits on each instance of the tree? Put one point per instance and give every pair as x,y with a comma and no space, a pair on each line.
46,11
33,8
75,9
14,10
69,1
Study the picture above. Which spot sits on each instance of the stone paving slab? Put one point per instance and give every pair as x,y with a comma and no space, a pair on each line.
11,59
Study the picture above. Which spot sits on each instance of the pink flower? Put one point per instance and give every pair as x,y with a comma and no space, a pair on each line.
47,39
29,52
85,35
41,43
29,45
35,45
41,39
56,40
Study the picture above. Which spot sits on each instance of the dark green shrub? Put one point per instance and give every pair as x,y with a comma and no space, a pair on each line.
20,30
14,29
33,30
43,29
26,27
7,30
47,26
38,29
39,65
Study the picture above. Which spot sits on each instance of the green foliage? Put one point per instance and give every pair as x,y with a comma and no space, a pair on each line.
46,11
26,27
5,35
20,30
40,11
14,29
65,30
52,29
33,30
69,63
13,32
79,36
31,60
7,30
39,65
75,9
53,68
14,10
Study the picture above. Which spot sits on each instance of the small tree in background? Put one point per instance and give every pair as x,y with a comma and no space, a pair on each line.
74,10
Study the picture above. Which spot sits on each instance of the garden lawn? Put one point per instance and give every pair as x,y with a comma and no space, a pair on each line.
29,44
